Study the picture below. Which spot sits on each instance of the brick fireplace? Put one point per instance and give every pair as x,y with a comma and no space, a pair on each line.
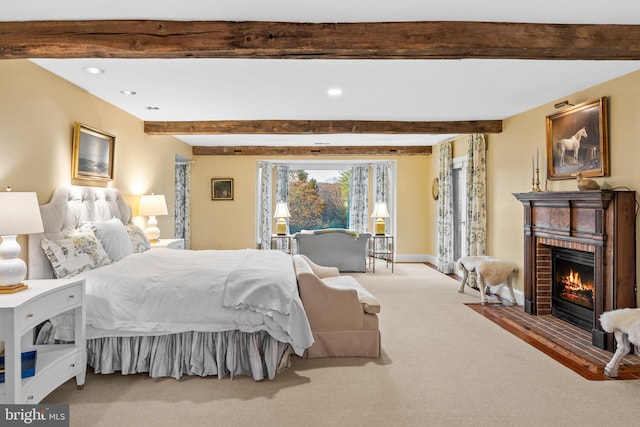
601,223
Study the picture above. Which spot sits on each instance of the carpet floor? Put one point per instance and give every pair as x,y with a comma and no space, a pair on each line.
442,364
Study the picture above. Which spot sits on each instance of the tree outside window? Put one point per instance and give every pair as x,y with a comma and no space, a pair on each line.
315,205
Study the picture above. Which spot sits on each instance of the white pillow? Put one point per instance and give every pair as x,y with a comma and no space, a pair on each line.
139,241
73,255
113,237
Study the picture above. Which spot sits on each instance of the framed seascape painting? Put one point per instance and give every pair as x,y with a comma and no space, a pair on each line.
222,189
92,153
577,141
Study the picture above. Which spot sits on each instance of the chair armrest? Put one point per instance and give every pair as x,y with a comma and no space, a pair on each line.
327,308
320,270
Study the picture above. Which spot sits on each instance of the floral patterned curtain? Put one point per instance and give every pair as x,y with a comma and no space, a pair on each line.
282,195
264,206
282,184
382,188
477,196
359,198
445,210
182,227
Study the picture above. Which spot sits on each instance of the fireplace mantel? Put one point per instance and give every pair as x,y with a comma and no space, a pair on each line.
599,221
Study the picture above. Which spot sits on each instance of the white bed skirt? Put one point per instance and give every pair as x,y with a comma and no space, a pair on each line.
257,354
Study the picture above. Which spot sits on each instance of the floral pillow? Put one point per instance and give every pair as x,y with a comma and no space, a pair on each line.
139,241
75,254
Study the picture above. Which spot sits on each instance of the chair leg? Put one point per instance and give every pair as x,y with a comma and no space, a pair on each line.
465,276
513,295
483,292
623,348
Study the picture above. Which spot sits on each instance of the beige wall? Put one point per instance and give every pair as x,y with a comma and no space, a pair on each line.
37,114
510,153
232,224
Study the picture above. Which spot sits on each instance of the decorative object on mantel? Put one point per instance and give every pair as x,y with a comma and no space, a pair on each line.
535,173
152,205
19,214
586,183
577,141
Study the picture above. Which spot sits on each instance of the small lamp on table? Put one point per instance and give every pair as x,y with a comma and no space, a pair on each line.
151,206
282,212
380,212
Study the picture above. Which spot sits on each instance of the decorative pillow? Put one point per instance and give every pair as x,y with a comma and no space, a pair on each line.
139,241
113,237
74,255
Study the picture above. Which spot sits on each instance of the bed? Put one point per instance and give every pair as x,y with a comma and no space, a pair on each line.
162,311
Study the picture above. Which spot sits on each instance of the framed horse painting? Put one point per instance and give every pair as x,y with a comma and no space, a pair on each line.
577,141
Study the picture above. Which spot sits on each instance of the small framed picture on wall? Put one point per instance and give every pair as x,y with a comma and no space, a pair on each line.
92,153
221,188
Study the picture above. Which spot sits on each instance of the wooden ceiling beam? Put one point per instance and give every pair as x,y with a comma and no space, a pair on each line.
304,127
365,40
327,150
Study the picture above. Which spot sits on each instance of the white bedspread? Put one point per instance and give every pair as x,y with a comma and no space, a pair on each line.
165,291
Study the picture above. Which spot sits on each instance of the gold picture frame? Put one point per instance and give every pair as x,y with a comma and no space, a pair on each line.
221,188
92,153
577,141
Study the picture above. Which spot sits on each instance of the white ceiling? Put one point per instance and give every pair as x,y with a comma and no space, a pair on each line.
412,90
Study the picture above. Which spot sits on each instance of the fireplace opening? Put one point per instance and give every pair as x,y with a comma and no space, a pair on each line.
573,287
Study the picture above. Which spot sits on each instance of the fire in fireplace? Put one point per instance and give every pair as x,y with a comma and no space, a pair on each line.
573,287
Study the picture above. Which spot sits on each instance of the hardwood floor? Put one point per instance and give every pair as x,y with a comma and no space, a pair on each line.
560,340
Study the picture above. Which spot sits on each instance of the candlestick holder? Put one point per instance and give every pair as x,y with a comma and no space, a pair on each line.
536,187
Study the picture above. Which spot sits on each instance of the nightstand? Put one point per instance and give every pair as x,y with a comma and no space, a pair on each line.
20,313
168,243
381,246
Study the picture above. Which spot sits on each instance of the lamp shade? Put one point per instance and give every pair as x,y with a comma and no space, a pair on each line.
282,211
19,214
380,210
154,204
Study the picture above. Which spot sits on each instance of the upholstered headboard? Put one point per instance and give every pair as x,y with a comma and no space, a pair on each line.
70,207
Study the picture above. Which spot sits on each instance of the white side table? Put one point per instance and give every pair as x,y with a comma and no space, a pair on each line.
20,313
168,243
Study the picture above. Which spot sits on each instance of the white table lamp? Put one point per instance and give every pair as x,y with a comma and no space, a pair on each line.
282,212
380,212
152,206
19,214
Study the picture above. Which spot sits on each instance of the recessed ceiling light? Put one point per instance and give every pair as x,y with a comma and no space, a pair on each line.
127,92
152,107
93,70
335,91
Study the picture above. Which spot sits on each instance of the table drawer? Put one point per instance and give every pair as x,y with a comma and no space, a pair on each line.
40,309
178,244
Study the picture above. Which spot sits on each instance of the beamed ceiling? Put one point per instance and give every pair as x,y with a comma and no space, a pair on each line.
261,83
